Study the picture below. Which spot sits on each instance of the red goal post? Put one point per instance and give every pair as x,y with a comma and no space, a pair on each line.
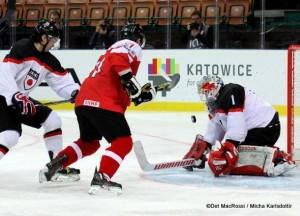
293,102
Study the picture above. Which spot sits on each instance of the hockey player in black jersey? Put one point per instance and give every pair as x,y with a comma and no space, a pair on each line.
27,64
247,128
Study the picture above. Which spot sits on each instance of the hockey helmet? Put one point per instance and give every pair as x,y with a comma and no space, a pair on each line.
45,27
133,32
209,86
208,89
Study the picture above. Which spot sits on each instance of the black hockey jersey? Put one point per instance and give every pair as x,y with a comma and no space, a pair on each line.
239,110
24,68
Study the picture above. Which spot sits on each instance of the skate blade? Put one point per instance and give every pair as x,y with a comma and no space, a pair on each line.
114,190
42,177
65,178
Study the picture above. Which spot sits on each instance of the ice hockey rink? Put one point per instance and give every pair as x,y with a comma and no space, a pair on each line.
166,136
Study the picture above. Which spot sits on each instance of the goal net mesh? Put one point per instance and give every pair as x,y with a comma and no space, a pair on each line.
293,96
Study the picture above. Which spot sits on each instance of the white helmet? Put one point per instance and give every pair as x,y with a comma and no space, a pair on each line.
209,86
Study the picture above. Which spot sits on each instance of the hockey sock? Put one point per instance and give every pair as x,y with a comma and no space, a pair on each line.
53,141
8,139
114,155
78,150
3,151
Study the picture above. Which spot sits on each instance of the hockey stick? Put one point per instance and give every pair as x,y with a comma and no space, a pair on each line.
165,76
169,85
146,166
54,103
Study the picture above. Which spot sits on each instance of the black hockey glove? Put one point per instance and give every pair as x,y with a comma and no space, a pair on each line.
23,104
74,95
148,94
131,85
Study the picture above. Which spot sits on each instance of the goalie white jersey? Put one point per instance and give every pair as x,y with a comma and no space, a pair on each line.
24,71
239,110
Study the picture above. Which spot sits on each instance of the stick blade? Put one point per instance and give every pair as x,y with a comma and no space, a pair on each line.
175,79
169,85
140,155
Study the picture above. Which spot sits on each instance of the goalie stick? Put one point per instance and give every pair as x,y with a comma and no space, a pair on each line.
146,166
168,85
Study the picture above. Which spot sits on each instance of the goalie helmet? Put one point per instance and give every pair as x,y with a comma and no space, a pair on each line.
44,27
209,86
133,32
208,89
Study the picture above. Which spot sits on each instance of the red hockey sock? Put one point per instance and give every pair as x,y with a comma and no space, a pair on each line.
71,154
114,155
78,150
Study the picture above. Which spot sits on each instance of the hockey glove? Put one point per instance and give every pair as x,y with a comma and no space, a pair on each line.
23,104
198,151
74,95
131,85
223,160
148,94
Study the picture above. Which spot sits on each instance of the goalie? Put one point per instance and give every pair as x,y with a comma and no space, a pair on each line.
248,128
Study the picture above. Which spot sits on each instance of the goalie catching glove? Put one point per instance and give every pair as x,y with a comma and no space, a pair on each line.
223,160
23,104
198,151
148,94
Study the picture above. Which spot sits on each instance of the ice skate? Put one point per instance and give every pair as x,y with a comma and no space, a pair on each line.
66,174
102,181
51,169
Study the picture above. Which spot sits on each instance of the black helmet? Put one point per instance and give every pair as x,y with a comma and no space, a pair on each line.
133,32
44,27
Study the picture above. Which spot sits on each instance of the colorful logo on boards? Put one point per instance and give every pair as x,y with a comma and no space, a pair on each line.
161,72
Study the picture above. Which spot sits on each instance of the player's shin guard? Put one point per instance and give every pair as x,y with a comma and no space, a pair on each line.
114,155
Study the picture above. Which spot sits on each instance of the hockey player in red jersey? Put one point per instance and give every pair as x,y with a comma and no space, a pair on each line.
100,107
27,64
247,127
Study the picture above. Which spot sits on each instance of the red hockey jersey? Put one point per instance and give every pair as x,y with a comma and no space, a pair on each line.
103,88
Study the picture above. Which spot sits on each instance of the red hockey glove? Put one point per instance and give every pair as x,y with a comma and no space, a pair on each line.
23,104
222,161
198,151
148,94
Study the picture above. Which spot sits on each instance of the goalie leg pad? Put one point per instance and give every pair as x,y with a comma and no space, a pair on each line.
259,161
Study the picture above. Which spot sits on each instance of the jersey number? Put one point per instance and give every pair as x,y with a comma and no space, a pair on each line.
97,68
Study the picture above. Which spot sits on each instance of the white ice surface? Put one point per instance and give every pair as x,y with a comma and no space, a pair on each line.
166,136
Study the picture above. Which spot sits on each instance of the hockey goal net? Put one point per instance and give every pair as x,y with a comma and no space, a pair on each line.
293,109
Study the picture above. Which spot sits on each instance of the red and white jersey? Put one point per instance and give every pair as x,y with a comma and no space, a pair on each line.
24,68
239,110
103,88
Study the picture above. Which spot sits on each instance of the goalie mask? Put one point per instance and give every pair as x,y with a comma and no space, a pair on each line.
208,89
133,32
